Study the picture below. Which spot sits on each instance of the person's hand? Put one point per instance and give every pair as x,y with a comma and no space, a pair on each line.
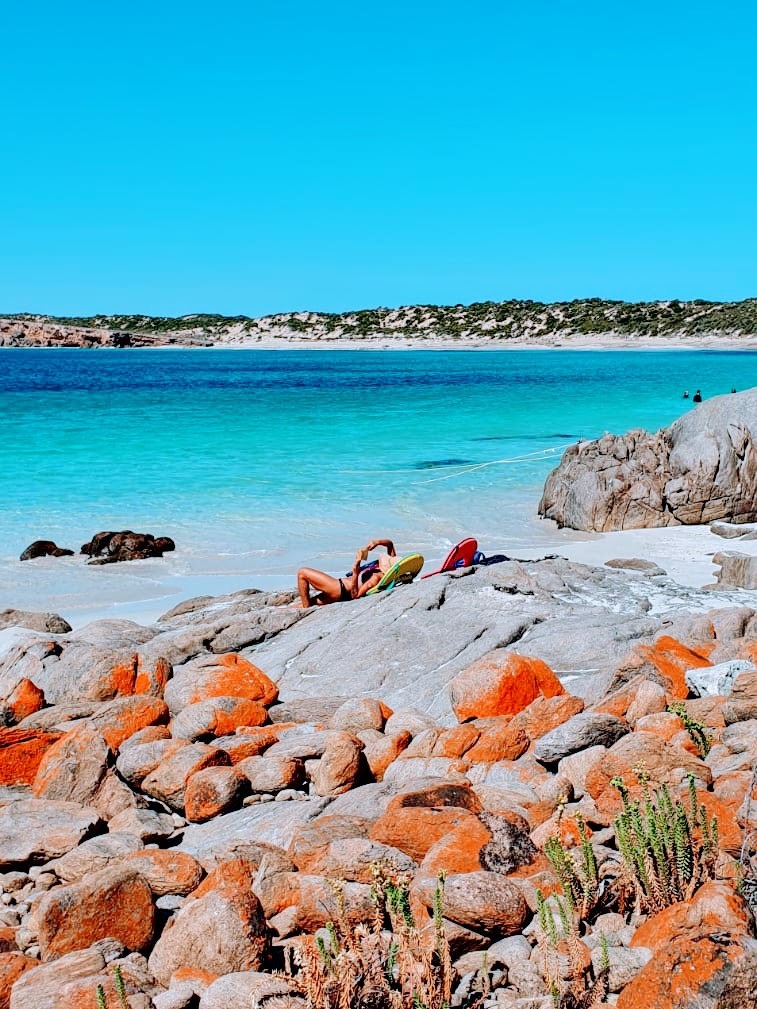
371,546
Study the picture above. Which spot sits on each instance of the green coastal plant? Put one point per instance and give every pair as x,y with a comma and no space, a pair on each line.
118,982
667,849
579,880
389,963
695,729
569,975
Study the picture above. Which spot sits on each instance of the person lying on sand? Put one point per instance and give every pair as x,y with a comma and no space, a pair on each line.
352,586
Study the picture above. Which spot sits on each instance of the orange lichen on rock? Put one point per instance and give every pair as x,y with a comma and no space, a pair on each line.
687,974
21,753
501,683
545,713
459,850
415,829
499,739
25,699
714,908
233,676
119,682
245,712
125,717
152,681
671,659
12,966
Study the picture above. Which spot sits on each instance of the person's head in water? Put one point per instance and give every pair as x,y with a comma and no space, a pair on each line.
686,394
697,396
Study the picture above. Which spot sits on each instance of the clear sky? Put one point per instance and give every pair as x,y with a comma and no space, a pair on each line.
241,157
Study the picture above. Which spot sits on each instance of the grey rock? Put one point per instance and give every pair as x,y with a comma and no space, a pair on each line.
179,996
586,729
709,681
244,990
38,829
48,623
648,568
41,986
93,855
700,469
736,570
732,530
307,709
625,964
233,833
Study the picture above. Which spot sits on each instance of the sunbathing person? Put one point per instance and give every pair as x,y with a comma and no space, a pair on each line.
352,586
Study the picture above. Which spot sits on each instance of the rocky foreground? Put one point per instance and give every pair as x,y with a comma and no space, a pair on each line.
177,800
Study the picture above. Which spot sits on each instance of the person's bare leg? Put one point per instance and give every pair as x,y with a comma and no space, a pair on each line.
327,588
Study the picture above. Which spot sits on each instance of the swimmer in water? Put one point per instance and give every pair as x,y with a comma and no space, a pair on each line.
686,394
697,397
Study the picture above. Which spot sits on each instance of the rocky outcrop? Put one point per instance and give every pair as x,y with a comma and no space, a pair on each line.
736,570
700,469
112,547
195,852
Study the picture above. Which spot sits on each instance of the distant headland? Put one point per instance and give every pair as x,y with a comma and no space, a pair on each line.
591,323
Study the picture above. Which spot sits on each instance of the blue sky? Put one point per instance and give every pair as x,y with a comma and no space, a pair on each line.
248,158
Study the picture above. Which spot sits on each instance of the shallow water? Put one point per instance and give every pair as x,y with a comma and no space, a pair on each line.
258,461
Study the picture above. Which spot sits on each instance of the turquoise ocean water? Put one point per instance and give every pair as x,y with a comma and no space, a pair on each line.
258,461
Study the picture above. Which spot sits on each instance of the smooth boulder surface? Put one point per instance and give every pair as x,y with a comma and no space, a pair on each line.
37,830
700,469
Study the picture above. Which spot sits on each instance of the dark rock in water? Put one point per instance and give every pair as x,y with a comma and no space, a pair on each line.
702,468
436,463
111,547
49,623
44,548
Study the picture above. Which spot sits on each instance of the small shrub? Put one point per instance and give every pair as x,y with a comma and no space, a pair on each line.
667,850
388,964
581,989
695,729
118,981
580,882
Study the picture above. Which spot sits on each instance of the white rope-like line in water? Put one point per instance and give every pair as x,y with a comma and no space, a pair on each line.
541,454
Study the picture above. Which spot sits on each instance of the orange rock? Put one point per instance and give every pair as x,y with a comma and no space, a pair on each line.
443,742
21,753
499,739
671,659
233,676
250,741
167,871
12,966
564,827
25,699
119,682
8,940
730,837
115,902
310,840
545,713
618,701
707,710
459,850
415,829
689,974
664,724
599,776
380,750
168,781
73,769
214,790
244,712
127,715
152,681
713,908
501,683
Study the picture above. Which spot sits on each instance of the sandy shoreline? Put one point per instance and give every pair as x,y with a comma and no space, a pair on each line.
576,342
684,552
